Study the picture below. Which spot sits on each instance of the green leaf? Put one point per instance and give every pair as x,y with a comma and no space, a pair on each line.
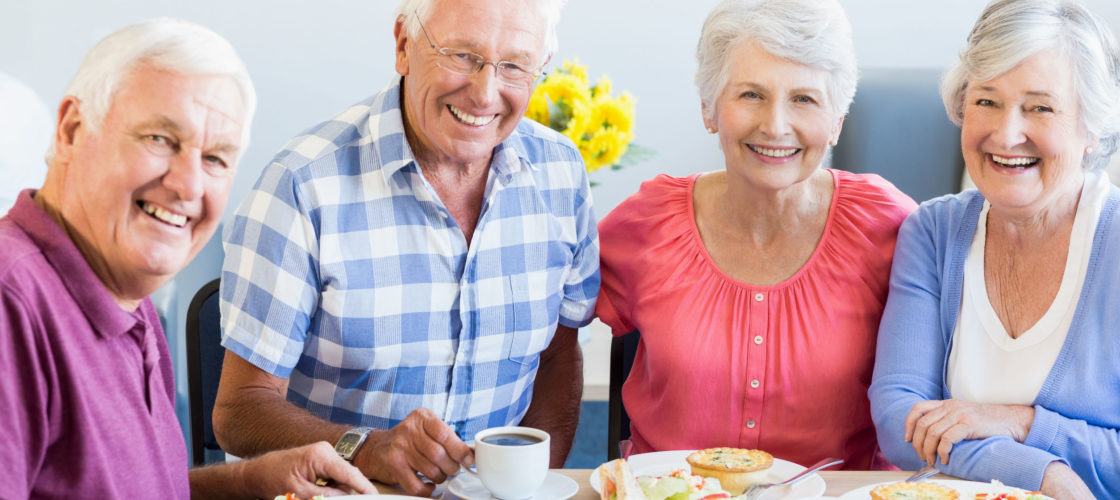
635,154
559,114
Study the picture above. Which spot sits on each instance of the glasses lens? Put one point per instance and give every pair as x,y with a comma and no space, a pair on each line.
464,63
514,76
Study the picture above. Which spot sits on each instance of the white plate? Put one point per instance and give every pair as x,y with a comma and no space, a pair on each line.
967,489
555,487
376,497
664,462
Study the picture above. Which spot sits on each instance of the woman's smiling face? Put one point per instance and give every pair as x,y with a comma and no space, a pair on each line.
1022,137
774,117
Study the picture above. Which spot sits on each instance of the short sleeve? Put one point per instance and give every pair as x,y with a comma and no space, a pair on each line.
269,288
582,285
24,397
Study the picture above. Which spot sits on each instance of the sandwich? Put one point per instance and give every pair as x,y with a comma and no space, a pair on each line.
617,482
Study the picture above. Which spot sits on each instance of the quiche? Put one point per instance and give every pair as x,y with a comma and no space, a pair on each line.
735,468
919,490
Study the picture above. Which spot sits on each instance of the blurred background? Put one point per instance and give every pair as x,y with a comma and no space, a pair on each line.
311,60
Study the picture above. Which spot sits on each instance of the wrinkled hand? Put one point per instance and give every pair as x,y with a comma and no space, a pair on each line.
421,443
1061,483
933,427
296,470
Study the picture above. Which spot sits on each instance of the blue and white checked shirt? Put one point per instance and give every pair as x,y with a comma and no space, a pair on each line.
346,273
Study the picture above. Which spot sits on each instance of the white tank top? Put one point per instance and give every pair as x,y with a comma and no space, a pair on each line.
986,365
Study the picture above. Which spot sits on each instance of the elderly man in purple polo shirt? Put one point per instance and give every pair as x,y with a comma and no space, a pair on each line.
142,159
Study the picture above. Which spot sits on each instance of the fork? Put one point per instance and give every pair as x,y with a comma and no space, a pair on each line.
757,490
925,472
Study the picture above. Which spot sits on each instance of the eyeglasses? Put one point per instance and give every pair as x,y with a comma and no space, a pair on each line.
465,62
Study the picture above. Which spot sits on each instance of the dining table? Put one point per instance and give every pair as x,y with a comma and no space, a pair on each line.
837,482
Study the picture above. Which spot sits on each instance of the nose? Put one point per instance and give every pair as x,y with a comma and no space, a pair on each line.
184,175
484,85
775,121
1009,130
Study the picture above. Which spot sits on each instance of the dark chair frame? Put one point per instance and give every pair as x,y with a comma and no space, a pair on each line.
623,349
201,407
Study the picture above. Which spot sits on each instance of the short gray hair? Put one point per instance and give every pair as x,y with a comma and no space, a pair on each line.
424,9
814,33
1010,31
172,45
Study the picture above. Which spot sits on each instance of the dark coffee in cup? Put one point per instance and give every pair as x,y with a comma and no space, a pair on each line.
511,440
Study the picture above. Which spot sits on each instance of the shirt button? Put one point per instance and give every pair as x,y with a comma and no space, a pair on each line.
750,424
758,339
758,297
754,383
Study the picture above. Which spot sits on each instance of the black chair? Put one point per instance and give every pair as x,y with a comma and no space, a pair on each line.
204,369
618,422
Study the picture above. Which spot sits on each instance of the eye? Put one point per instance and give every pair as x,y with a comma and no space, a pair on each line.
985,103
216,161
804,99
512,67
160,144
1042,108
750,94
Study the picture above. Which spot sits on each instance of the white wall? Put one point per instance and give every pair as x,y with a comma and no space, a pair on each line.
310,60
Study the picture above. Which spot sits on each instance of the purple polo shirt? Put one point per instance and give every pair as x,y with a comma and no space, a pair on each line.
86,388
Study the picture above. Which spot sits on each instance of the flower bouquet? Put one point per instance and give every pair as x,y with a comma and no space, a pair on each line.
600,125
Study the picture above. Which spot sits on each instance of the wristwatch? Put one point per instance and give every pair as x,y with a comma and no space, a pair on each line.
348,445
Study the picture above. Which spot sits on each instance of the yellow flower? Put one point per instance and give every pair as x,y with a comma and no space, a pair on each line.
605,148
600,125
617,114
575,69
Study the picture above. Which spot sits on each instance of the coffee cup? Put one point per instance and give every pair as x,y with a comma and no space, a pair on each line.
511,462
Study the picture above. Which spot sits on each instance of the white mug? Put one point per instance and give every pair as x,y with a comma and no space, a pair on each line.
512,461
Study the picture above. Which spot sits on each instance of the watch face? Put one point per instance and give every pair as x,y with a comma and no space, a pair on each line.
346,445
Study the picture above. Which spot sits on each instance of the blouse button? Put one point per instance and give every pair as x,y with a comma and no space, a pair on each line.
754,383
758,297
758,339
750,424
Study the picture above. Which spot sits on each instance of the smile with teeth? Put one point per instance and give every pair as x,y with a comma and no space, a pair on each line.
1017,162
470,119
177,220
774,152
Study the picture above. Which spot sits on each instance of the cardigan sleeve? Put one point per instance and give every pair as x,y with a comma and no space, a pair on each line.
913,348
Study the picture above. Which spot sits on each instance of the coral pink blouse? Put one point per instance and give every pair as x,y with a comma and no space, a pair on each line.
783,368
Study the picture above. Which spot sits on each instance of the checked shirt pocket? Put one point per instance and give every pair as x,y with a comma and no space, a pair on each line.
532,324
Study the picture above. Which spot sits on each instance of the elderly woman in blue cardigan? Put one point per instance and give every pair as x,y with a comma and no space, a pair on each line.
999,349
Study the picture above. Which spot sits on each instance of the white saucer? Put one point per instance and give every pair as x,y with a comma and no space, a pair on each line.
555,487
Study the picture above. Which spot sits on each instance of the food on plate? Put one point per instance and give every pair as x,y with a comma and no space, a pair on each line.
735,468
617,482
918,490
1001,491
292,496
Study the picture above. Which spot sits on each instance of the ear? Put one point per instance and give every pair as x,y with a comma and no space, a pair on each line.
400,34
710,125
834,137
70,121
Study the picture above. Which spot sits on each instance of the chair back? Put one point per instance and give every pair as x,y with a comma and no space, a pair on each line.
897,128
623,349
204,369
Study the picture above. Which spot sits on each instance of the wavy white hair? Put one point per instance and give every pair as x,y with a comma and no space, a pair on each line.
424,9
1010,31
167,44
814,33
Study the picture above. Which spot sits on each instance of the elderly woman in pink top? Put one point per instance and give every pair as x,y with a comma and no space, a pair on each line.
758,288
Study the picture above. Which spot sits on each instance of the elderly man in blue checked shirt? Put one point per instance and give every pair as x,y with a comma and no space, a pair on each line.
413,270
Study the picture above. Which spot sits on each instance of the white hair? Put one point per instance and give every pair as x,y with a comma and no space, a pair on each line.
813,33
1010,31
424,9
166,44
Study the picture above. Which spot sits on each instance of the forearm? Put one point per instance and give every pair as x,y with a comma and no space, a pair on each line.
557,391
218,482
252,416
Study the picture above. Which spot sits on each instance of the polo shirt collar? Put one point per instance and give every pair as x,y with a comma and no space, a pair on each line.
104,314
386,129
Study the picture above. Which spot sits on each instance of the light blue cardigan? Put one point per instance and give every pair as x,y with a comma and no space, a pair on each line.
1077,411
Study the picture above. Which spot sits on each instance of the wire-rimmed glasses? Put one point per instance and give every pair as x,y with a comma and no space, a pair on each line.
465,62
